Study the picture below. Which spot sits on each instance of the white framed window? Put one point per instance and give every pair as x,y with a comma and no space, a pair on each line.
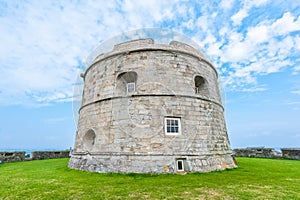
172,126
130,87
180,165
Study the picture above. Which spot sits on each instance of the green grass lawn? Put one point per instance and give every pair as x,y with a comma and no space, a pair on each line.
52,179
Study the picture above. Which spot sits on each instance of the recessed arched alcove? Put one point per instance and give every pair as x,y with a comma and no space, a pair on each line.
89,140
201,87
126,83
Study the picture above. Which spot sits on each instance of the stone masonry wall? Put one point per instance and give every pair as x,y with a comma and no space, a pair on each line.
203,128
12,156
291,153
159,72
41,155
115,125
35,155
260,152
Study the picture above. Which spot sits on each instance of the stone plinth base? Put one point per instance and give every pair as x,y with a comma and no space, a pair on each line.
149,163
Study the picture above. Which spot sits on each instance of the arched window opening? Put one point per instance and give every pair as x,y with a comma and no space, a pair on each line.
89,140
201,86
126,83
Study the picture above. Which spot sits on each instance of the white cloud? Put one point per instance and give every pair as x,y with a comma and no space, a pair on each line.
189,24
214,49
202,22
254,3
297,68
258,34
44,43
286,24
239,16
226,4
297,42
244,11
237,52
256,89
152,11
55,120
262,49
296,92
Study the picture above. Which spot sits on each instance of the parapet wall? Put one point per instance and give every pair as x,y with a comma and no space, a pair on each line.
35,155
261,152
12,156
288,153
41,155
291,153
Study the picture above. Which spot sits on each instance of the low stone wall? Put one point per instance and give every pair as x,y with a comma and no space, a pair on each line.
41,155
12,156
291,153
259,152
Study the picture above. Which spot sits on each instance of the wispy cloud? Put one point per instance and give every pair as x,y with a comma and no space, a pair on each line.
296,92
238,17
294,103
44,43
55,120
259,89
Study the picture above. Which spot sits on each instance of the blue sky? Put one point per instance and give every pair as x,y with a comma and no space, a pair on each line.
254,44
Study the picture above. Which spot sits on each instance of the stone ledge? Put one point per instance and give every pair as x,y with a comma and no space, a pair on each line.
151,95
144,154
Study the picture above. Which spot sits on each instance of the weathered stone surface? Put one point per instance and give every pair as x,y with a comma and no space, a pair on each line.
125,132
16,156
258,152
291,153
41,155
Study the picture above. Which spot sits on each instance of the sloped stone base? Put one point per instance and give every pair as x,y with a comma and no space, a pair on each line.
147,163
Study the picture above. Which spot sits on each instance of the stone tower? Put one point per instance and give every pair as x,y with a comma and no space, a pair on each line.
151,108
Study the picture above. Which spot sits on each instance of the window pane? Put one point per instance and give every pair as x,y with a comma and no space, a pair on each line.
176,122
168,129
172,122
172,130
168,122
130,87
176,130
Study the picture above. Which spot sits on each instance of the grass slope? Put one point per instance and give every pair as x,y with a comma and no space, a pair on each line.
51,179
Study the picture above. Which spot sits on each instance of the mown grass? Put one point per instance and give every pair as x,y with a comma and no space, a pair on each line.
52,179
